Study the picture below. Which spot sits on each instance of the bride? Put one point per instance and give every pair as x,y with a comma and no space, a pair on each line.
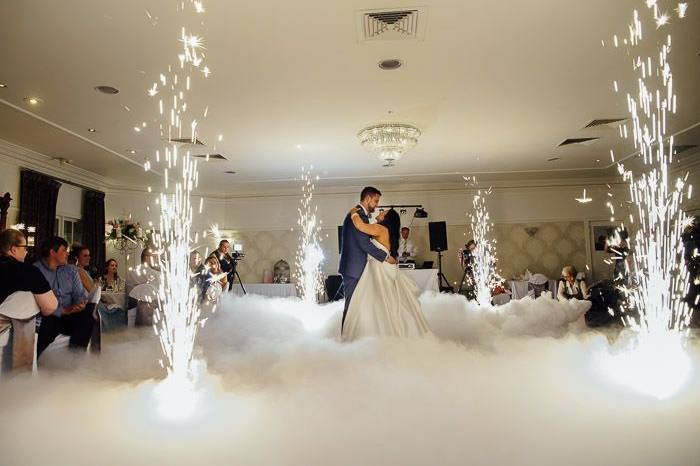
384,302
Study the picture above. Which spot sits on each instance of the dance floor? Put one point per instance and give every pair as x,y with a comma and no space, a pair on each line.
513,386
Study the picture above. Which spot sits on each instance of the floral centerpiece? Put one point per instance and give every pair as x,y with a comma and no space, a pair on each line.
124,229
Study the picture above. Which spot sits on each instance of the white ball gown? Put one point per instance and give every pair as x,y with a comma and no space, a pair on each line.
384,304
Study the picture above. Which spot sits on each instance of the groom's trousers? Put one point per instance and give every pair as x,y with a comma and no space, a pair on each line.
349,284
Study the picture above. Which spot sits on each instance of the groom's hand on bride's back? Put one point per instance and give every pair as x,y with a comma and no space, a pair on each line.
391,259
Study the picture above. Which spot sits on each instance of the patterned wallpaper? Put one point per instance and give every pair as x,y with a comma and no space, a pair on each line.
552,246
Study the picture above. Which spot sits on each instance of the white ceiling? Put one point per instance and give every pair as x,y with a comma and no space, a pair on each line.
494,86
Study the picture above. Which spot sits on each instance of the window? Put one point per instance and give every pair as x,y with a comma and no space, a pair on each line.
70,229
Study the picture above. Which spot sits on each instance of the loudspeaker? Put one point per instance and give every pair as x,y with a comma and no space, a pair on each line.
438,236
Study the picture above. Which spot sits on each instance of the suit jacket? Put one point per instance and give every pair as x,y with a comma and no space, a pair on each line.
355,247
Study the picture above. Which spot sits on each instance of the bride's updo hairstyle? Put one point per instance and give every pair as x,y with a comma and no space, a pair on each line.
392,221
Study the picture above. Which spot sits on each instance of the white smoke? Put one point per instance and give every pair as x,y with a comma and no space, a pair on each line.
512,385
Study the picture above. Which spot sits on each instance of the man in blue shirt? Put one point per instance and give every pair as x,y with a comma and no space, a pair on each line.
70,317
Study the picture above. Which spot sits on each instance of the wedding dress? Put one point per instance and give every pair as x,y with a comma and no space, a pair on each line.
384,304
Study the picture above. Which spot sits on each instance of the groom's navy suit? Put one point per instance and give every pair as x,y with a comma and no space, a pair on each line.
353,257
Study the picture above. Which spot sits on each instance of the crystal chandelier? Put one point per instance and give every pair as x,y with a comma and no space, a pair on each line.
389,141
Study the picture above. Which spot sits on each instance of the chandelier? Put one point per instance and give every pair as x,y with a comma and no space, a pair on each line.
389,141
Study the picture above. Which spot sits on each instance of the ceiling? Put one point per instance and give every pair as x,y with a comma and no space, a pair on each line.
494,87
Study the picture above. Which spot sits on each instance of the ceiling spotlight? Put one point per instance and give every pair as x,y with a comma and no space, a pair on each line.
33,100
3,85
107,90
390,64
92,130
131,151
230,172
420,213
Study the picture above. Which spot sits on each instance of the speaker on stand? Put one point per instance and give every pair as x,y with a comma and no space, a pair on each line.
438,243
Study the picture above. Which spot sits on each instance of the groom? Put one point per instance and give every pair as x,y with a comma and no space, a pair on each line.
356,245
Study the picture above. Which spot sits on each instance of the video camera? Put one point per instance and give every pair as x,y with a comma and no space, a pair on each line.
237,253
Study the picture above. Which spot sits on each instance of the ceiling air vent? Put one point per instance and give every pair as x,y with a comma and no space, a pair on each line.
211,156
393,24
196,142
610,122
584,141
677,149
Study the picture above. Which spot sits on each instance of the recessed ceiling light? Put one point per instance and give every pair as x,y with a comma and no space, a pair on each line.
390,64
107,89
131,151
3,85
92,130
33,100
553,159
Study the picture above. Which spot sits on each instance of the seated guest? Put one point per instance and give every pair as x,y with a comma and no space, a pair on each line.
214,280
80,257
569,286
195,262
142,284
70,317
16,275
146,272
112,307
407,250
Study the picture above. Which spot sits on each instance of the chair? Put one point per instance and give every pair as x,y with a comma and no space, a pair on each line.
537,284
17,323
146,295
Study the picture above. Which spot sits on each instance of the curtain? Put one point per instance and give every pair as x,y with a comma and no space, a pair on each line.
37,203
94,227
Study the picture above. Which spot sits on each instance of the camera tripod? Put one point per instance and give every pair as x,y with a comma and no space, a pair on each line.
441,277
234,274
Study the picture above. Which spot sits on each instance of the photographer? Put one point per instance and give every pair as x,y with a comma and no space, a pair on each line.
223,255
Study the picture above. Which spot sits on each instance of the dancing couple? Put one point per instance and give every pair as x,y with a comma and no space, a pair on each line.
379,301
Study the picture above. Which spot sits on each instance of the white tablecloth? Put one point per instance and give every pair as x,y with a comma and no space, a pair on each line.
518,288
425,279
282,290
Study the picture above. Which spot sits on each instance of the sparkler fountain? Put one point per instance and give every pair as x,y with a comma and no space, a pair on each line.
178,315
484,268
656,362
309,255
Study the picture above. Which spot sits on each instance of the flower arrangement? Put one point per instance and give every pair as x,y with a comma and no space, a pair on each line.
119,228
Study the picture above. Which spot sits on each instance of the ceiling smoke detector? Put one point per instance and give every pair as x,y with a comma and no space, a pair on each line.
390,64
107,90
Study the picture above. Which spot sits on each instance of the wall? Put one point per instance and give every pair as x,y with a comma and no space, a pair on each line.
264,225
